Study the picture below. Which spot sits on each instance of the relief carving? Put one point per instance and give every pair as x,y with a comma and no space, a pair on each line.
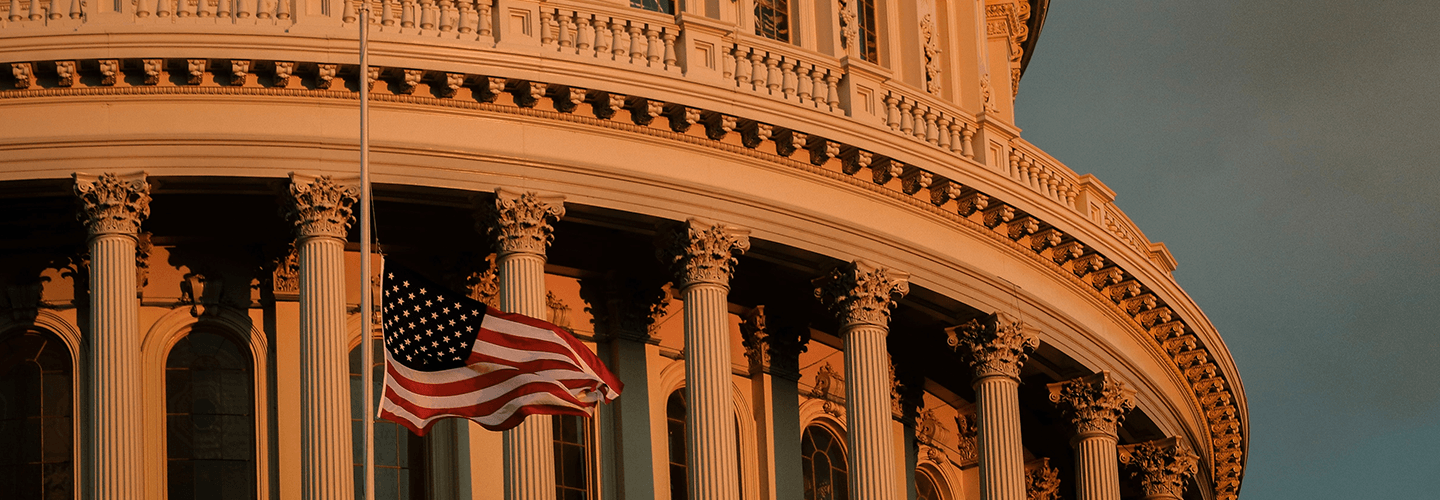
861,293
319,206
111,203
701,252
1096,404
1161,466
996,346
520,222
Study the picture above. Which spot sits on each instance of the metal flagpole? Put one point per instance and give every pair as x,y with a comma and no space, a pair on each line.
366,307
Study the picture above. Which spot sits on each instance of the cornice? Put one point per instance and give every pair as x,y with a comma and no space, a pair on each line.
1215,390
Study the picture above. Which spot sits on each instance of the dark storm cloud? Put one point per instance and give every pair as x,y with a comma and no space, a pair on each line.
1289,155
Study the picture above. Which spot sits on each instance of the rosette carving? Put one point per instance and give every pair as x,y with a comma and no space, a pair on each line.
1095,403
112,203
996,345
699,251
320,206
521,222
1160,465
861,293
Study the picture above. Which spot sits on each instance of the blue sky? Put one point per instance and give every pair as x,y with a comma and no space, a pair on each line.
1288,152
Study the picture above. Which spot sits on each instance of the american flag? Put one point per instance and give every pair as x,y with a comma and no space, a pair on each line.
447,355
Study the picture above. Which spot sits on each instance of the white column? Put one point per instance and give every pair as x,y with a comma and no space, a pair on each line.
112,208
320,209
1095,404
703,257
996,347
1161,467
520,224
861,296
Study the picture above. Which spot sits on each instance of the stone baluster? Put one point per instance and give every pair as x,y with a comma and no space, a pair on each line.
602,38
932,128
653,47
547,35
566,39
861,296
466,16
788,78
620,42
702,256
832,91
944,132
773,80
907,119
520,224
320,210
447,16
486,23
967,142
742,67
953,128
637,44
919,119
670,58
817,86
387,11
892,112
407,13
758,73
996,347
282,9
805,83
1161,466
162,8
143,9
1096,404
112,208
585,36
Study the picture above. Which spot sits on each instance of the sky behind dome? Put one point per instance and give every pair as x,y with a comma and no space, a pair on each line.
1288,153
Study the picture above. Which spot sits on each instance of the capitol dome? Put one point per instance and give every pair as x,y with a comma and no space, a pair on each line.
807,235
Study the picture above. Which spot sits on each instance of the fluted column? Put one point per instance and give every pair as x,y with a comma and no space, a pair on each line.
320,209
112,208
702,256
520,224
997,347
1095,404
861,296
1161,466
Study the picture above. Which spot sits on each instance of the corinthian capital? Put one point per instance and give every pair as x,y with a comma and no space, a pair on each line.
320,206
997,345
700,251
625,306
1042,482
520,222
1095,403
1160,465
861,293
112,203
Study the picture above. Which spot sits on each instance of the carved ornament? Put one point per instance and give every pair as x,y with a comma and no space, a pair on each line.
1042,482
996,345
521,222
1161,466
861,293
320,206
1096,404
112,203
625,307
699,251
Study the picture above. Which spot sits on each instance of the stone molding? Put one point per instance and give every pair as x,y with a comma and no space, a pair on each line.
1212,388
112,203
1161,466
996,345
521,222
320,206
1096,403
862,293
701,252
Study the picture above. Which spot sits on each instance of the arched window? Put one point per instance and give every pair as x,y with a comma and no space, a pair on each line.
822,462
572,457
661,6
209,418
772,19
925,488
399,454
675,409
869,31
36,433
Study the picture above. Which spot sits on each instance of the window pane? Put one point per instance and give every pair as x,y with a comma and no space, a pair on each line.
400,472
772,19
210,425
36,432
662,6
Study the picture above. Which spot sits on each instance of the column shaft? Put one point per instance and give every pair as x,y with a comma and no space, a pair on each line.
634,469
529,447
867,407
118,445
710,422
1002,462
1097,471
327,468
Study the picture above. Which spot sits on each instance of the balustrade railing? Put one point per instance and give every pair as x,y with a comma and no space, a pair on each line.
927,119
783,72
1042,174
629,38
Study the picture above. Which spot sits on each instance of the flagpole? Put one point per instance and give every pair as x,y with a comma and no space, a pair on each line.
366,308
